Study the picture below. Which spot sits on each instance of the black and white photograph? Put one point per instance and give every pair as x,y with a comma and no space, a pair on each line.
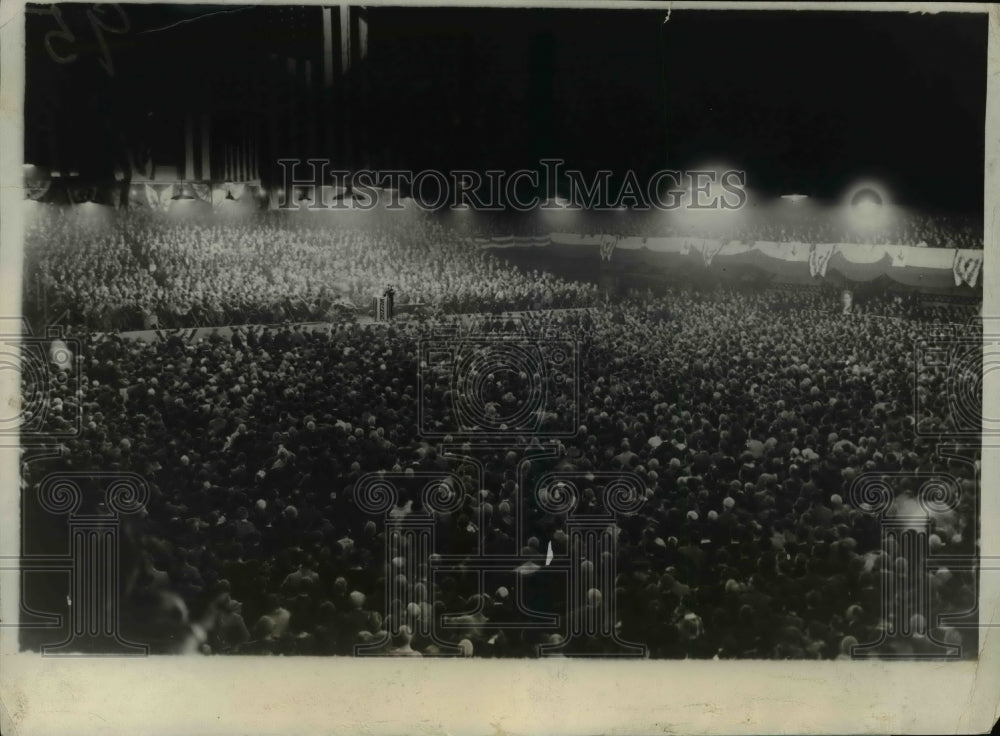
645,336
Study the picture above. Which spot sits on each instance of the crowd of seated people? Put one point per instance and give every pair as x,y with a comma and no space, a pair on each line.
746,415
904,228
141,271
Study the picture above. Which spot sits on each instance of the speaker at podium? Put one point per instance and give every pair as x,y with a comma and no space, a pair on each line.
847,299
383,306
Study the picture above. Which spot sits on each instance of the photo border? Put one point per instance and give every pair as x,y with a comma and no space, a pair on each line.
209,695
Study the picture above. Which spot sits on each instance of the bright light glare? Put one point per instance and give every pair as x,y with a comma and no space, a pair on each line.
867,206
866,198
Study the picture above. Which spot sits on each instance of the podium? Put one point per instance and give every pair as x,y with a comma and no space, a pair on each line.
383,306
608,282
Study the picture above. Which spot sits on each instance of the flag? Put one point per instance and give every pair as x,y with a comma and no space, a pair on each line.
166,194
202,191
159,199
37,189
608,243
966,266
218,197
710,249
819,257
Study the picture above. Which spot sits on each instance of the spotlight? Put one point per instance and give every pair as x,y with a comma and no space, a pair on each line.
866,200
868,206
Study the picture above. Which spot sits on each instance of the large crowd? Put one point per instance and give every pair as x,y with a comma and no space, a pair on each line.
746,415
773,224
143,271
138,270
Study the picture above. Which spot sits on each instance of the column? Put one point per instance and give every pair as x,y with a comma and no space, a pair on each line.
188,147
906,598
591,538
94,591
206,140
293,122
